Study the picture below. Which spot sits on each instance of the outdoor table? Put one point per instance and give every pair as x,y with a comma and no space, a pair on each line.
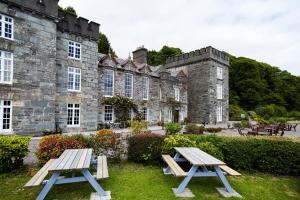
72,160
200,162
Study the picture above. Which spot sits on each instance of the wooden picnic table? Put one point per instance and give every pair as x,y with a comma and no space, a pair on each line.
71,160
202,165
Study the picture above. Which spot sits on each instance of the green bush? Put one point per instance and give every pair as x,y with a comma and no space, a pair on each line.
294,114
194,129
213,130
172,128
145,148
12,151
245,124
176,141
211,149
235,113
138,127
272,110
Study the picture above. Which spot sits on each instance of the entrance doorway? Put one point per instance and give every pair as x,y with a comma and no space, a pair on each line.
176,116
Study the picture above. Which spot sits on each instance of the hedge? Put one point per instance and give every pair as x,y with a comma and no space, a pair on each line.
264,154
145,148
12,151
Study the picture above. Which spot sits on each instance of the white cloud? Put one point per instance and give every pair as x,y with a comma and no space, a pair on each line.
265,30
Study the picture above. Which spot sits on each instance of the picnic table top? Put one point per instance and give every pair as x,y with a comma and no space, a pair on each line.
73,159
197,157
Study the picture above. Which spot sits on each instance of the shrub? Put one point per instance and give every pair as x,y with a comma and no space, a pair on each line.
53,146
272,110
237,125
245,124
145,148
138,127
213,130
235,113
211,149
108,143
176,141
194,129
12,151
172,128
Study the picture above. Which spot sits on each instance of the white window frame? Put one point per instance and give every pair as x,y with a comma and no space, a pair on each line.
170,115
2,106
145,118
3,60
145,88
73,108
219,112
113,83
3,23
220,73
76,46
104,114
219,91
131,86
74,73
176,94
130,114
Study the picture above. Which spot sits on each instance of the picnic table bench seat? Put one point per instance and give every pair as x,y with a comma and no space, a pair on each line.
38,178
229,171
102,170
175,168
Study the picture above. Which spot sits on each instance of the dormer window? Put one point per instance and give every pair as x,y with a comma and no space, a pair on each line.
6,26
74,50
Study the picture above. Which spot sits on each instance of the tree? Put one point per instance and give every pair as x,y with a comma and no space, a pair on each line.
159,57
70,10
104,45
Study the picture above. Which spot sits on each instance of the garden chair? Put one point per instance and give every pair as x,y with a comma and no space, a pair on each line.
294,127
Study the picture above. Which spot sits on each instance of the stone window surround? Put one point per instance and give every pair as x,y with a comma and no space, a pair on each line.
145,88
75,107
113,83
219,112
126,86
75,72
2,106
220,73
76,53
176,93
2,26
107,114
4,58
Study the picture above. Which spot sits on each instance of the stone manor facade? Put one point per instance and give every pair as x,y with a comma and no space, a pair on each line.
52,76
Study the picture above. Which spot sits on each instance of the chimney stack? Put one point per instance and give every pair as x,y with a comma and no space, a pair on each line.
140,55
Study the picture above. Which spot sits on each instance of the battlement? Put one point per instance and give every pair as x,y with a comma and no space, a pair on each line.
198,56
78,26
47,8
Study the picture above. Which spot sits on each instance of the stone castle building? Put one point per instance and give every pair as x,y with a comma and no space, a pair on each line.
52,76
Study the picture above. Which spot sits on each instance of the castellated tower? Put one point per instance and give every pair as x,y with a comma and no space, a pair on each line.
208,84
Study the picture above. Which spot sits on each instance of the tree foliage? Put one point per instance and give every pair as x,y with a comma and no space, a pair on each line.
159,57
104,45
69,10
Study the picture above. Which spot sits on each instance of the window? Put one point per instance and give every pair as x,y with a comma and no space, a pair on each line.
170,114
145,85
5,116
108,83
219,91
128,85
219,113
73,115
74,79
6,67
130,116
160,93
6,27
108,113
145,114
74,50
219,73
177,93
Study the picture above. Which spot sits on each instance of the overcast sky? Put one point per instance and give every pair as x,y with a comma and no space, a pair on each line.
266,30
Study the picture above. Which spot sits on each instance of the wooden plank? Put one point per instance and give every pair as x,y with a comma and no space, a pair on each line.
88,158
76,159
71,159
64,160
58,161
38,178
229,171
102,170
176,169
82,159
104,167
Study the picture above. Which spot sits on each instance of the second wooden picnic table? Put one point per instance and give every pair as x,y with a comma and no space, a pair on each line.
202,165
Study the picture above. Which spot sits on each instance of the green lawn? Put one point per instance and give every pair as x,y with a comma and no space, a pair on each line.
131,181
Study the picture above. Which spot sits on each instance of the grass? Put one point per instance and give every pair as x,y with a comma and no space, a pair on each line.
131,181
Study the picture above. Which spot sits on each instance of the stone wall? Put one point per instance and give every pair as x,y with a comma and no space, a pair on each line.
88,96
34,74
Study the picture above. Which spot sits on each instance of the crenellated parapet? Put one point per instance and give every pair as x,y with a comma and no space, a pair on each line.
203,54
78,26
47,8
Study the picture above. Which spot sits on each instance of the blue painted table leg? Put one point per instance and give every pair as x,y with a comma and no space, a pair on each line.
187,179
93,182
223,179
48,186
